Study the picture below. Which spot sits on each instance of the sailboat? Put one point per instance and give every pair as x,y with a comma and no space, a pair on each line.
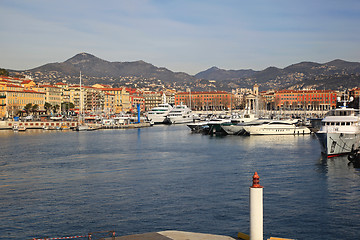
81,126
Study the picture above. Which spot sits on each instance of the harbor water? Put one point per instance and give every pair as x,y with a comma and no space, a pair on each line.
55,184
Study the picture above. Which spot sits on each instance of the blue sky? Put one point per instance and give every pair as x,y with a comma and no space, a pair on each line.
182,35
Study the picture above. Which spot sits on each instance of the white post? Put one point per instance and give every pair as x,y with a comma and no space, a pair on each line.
256,209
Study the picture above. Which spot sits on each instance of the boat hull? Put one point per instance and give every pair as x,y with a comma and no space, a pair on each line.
215,128
276,130
336,144
157,119
180,119
233,129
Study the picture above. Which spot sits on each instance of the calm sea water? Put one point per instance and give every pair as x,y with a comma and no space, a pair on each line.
55,184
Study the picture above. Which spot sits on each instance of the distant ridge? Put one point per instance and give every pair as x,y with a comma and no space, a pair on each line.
216,73
93,66
336,74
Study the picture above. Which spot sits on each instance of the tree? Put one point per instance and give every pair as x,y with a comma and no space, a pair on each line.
47,107
65,106
55,108
35,107
4,72
28,107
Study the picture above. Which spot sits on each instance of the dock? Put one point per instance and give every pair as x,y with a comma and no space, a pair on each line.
180,235
172,235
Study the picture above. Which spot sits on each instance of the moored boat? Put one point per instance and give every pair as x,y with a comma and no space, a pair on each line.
277,127
215,125
199,127
340,131
180,114
158,114
236,126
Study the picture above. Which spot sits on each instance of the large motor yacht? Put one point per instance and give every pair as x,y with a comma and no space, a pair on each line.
236,126
340,131
158,114
277,127
180,114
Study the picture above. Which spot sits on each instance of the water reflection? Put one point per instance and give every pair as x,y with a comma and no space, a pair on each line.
141,180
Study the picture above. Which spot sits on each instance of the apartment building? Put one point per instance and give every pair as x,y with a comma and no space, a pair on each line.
136,97
214,100
14,98
52,94
306,99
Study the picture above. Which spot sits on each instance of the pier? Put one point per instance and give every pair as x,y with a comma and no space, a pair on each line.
172,235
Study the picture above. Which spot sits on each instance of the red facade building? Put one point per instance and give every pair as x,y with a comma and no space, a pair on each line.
215,100
305,99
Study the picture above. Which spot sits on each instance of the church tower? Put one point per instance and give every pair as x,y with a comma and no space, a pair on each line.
256,90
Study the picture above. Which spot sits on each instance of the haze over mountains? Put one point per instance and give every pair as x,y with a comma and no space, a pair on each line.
337,74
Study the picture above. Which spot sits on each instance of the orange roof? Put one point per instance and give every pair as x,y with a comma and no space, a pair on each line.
4,80
104,85
48,86
13,85
111,89
212,92
305,91
24,91
26,81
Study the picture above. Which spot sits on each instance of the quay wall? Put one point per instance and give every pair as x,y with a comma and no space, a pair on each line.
8,125
4,125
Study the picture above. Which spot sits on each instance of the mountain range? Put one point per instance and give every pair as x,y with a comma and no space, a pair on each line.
337,74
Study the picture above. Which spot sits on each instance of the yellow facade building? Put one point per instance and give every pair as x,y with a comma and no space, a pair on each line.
121,99
14,98
52,94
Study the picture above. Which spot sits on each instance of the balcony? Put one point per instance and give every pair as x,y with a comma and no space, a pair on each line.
2,96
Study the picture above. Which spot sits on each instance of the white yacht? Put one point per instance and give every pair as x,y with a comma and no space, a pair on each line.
340,131
158,114
198,126
180,114
236,126
277,127
215,125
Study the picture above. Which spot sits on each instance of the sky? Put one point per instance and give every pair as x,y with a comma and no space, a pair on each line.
181,35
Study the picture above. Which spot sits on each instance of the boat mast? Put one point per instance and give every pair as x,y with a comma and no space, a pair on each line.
230,103
190,97
81,97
